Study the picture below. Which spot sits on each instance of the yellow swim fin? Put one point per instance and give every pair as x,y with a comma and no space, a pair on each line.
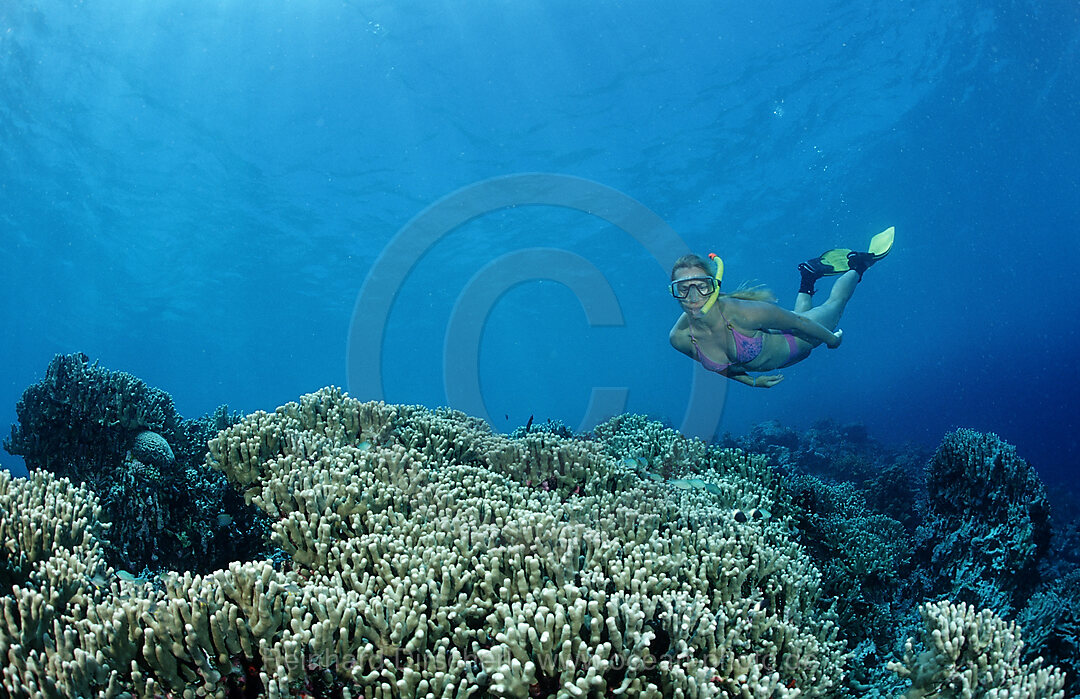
833,262
881,244
838,260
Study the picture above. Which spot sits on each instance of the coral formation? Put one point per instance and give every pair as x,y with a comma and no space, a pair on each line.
549,426
81,419
987,523
863,557
151,448
49,563
975,521
828,449
667,453
973,654
1051,622
425,560
127,443
422,555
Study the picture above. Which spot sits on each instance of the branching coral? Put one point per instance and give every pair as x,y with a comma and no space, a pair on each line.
50,562
665,452
973,655
427,561
364,494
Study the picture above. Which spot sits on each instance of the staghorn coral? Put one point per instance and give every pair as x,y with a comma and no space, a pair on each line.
423,563
973,655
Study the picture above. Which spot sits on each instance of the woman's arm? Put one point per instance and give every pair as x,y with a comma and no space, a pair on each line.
680,340
769,316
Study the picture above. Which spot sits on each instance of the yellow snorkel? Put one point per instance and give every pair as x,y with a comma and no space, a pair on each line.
718,276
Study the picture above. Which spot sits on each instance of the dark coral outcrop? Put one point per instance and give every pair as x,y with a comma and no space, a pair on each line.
127,443
987,525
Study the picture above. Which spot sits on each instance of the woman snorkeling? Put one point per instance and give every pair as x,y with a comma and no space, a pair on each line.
733,334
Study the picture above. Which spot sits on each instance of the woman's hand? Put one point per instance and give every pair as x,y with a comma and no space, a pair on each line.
839,335
768,381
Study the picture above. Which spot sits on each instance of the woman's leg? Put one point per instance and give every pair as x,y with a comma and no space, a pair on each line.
828,313
803,302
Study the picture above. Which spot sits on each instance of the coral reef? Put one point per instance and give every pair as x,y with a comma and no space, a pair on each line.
549,426
1051,622
891,479
127,443
419,554
863,557
975,528
80,419
986,526
667,453
973,654
49,564
425,560
827,450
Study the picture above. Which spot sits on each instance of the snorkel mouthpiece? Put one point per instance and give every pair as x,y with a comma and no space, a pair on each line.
718,276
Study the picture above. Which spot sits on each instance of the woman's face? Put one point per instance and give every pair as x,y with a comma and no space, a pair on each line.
697,284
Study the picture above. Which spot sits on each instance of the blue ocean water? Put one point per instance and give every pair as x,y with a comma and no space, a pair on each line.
198,193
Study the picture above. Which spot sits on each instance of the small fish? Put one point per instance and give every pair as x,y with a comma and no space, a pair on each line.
681,484
740,516
99,581
129,577
713,488
224,520
364,445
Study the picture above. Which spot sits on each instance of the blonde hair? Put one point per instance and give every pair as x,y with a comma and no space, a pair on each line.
745,292
757,292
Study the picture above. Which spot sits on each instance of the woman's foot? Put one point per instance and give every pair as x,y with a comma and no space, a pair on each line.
861,261
840,260
810,271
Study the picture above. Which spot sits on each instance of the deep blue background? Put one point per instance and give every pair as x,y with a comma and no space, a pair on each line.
195,193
